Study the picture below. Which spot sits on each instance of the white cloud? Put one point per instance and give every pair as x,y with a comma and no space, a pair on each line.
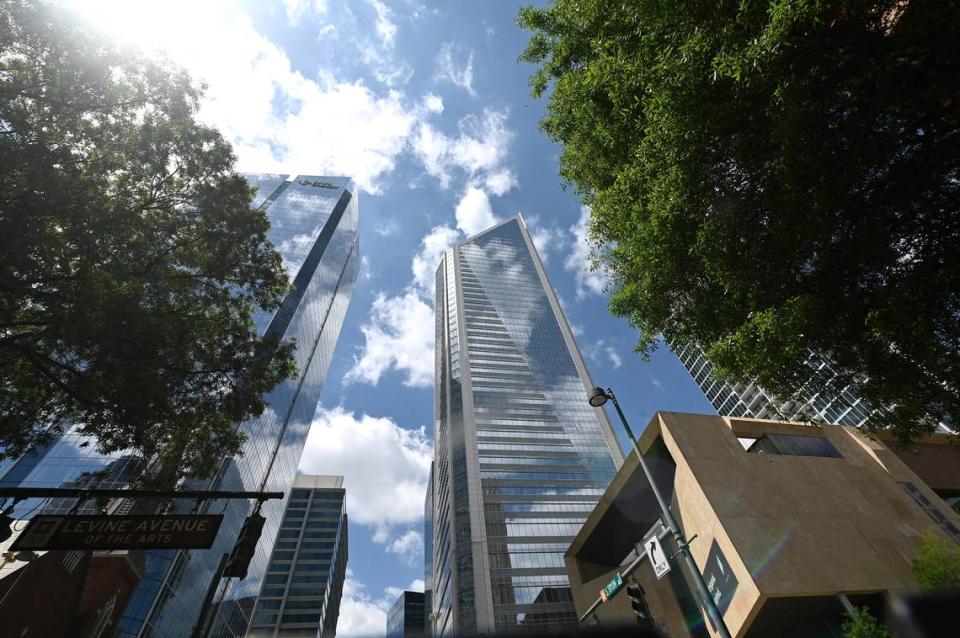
450,71
589,282
425,262
479,151
433,103
409,547
399,335
384,466
474,213
278,119
365,273
547,239
387,227
416,585
614,357
297,9
386,28
360,613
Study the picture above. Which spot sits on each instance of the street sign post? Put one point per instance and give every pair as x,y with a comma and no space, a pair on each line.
658,559
189,531
611,588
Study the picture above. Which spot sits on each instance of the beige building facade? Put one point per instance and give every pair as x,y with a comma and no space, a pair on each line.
783,517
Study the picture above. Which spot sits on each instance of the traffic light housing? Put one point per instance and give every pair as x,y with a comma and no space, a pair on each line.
245,548
638,601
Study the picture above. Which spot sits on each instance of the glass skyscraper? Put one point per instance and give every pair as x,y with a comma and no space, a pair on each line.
301,593
822,400
406,616
314,228
520,457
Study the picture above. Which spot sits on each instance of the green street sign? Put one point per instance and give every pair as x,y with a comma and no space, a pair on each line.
612,587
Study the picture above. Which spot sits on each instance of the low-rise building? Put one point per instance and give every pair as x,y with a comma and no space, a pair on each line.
787,522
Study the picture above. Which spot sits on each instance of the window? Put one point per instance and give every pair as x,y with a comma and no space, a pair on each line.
792,445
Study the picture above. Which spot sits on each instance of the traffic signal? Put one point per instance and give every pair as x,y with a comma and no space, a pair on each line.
246,546
638,601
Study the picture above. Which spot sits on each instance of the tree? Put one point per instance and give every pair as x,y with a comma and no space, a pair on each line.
862,624
131,263
772,179
937,564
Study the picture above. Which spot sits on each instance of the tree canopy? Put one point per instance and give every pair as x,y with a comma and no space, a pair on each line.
771,179
131,263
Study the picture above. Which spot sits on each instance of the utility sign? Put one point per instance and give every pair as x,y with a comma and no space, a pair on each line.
189,531
657,558
611,588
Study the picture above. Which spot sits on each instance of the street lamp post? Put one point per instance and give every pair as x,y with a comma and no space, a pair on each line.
597,398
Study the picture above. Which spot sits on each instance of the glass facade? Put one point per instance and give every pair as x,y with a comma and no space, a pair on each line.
406,617
520,458
300,597
822,400
314,227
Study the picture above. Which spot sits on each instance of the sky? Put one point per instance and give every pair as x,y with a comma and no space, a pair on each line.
426,106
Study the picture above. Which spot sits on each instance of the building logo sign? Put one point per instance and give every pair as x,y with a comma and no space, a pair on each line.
119,532
317,184
721,583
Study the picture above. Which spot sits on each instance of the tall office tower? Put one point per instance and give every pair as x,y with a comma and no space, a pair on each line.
300,597
520,458
428,550
823,400
314,228
406,617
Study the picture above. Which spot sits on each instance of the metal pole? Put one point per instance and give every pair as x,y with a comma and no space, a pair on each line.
678,536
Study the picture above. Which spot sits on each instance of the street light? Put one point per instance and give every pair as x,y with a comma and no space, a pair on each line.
597,398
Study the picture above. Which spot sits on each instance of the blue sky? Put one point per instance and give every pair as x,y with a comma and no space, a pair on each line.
426,106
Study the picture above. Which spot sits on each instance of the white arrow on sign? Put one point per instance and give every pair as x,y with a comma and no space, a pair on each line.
657,558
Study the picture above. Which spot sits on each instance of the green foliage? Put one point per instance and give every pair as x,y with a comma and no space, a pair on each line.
862,624
130,261
774,178
937,564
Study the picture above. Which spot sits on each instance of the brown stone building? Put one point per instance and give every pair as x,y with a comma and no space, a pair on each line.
788,522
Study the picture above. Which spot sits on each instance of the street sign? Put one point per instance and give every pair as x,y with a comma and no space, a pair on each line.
119,532
657,558
611,588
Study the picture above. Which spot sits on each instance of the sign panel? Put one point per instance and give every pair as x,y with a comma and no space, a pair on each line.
612,587
721,583
190,531
658,559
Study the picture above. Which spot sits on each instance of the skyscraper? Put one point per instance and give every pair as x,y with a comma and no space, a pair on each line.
520,458
314,228
823,399
300,597
406,616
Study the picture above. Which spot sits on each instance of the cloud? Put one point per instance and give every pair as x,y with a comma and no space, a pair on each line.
399,335
387,227
278,119
474,213
614,357
365,273
433,103
449,71
409,547
547,239
416,585
297,9
386,28
425,262
589,282
384,466
360,613
479,151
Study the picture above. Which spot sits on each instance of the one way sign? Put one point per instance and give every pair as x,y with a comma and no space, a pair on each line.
657,558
